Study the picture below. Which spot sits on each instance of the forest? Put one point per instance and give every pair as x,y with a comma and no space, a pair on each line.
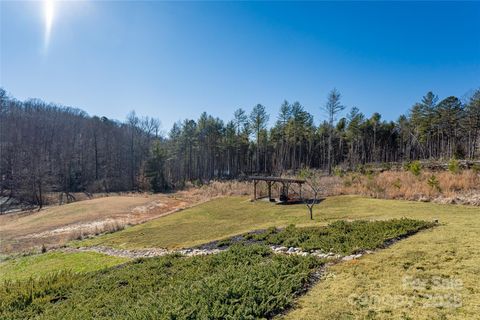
49,148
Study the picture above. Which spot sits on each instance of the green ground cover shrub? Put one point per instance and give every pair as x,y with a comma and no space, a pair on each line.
244,282
343,237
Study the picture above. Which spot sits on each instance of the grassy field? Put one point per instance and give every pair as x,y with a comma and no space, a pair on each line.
247,281
58,224
432,275
449,251
209,221
225,217
36,266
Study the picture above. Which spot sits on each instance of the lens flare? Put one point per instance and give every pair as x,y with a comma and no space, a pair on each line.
49,11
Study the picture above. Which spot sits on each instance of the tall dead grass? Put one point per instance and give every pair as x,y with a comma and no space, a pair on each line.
104,228
216,189
444,186
436,186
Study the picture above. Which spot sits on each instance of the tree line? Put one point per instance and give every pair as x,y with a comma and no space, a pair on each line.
50,148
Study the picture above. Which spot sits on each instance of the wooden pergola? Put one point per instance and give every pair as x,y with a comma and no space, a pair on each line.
285,182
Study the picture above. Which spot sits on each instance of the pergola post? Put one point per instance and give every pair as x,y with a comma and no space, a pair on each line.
271,181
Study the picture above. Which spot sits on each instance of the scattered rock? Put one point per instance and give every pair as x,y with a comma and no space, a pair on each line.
467,198
352,257
214,249
424,199
145,253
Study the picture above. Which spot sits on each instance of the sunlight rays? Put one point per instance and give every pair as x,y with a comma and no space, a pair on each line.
49,12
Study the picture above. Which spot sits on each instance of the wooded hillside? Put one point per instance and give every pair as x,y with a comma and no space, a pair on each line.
51,148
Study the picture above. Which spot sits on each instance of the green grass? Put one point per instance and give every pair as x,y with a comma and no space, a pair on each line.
244,282
216,219
226,217
343,237
43,264
450,250
373,287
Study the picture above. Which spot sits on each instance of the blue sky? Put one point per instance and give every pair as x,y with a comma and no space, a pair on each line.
174,60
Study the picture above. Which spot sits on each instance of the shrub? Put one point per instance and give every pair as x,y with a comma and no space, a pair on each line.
360,168
363,169
386,166
415,168
397,183
345,237
263,235
347,182
454,166
351,179
197,183
374,187
338,171
28,298
476,168
434,183
224,243
244,282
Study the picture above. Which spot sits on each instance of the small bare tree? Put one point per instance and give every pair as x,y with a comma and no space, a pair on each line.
313,182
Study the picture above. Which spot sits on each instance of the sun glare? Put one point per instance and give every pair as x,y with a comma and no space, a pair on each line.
49,11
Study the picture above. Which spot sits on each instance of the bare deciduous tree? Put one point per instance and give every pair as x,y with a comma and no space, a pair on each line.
48,148
313,182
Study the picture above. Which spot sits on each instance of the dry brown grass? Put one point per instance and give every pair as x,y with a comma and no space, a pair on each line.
217,189
104,228
59,198
443,186
54,226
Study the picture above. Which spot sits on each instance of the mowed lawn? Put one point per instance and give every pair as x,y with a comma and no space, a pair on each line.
210,221
225,217
434,274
